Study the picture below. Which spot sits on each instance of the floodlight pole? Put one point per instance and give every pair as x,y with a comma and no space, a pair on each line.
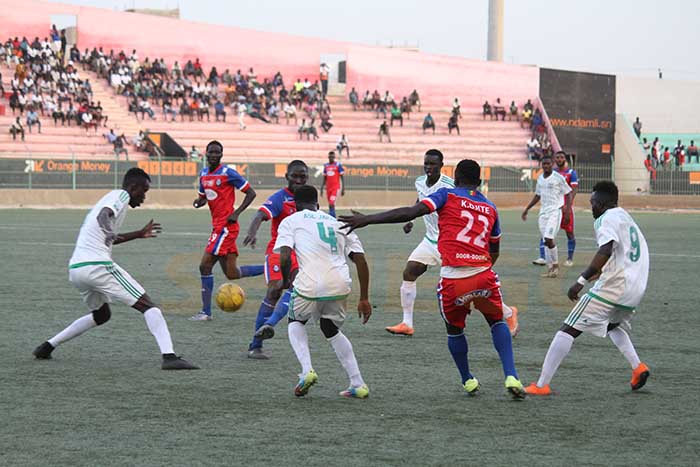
495,39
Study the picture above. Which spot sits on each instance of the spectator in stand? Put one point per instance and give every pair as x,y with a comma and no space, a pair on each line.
342,144
693,151
486,110
277,82
538,123
414,99
16,129
453,123
204,110
303,129
33,119
290,111
648,163
667,157
354,100
533,149
16,103
273,112
254,112
213,76
219,110
312,130
242,110
384,131
168,109
145,108
88,121
195,155
428,122
119,143
513,111
395,115
323,76
326,123
381,109
405,107
457,108
499,109
637,126
679,155
198,72
367,101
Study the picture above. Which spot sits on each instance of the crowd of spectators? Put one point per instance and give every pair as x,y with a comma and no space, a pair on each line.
46,84
660,157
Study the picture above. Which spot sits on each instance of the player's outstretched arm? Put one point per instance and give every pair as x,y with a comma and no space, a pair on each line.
250,238
323,184
364,308
393,216
150,230
593,270
250,195
286,266
342,185
535,200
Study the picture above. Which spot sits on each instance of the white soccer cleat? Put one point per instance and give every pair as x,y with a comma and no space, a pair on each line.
568,263
539,262
200,317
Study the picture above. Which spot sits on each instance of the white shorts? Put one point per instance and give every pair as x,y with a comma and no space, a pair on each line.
303,309
104,283
550,224
426,253
593,316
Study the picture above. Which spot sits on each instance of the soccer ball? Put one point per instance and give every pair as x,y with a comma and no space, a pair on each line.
230,297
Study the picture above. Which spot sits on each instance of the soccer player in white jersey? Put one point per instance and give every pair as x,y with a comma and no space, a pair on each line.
101,281
322,286
621,266
426,254
554,193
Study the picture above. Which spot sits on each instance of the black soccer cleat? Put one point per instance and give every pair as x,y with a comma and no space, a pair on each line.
177,363
265,332
43,352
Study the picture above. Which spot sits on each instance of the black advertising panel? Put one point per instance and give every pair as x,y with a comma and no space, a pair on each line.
581,108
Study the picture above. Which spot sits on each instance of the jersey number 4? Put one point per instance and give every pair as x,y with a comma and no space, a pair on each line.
480,239
327,236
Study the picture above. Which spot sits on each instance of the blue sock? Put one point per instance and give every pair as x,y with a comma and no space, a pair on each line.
263,313
281,309
331,210
571,245
207,287
250,270
542,248
504,345
459,348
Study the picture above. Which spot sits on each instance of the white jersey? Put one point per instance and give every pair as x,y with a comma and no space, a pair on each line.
90,246
321,248
431,220
623,279
551,191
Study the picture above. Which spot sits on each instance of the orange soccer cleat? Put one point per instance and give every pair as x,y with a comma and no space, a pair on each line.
512,322
534,390
401,328
639,376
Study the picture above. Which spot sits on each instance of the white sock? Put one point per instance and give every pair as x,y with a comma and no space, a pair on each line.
300,344
159,328
553,255
343,349
558,349
408,298
623,342
507,311
548,257
75,329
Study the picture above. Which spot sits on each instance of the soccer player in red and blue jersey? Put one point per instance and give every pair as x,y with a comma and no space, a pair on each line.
333,181
217,185
469,246
562,167
278,207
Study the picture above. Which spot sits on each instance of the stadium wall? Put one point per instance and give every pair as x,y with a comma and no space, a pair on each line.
358,199
436,77
630,173
663,106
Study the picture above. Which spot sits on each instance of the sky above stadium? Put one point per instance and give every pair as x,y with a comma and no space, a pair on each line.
629,37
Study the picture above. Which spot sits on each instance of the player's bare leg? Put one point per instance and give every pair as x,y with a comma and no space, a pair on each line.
551,255
411,273
76,328
159,328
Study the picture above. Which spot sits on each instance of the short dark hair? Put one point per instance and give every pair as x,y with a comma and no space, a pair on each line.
560,152
215,143
331,153
296,162
434,152
306,194
135,175
469,171
546,156
608,189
